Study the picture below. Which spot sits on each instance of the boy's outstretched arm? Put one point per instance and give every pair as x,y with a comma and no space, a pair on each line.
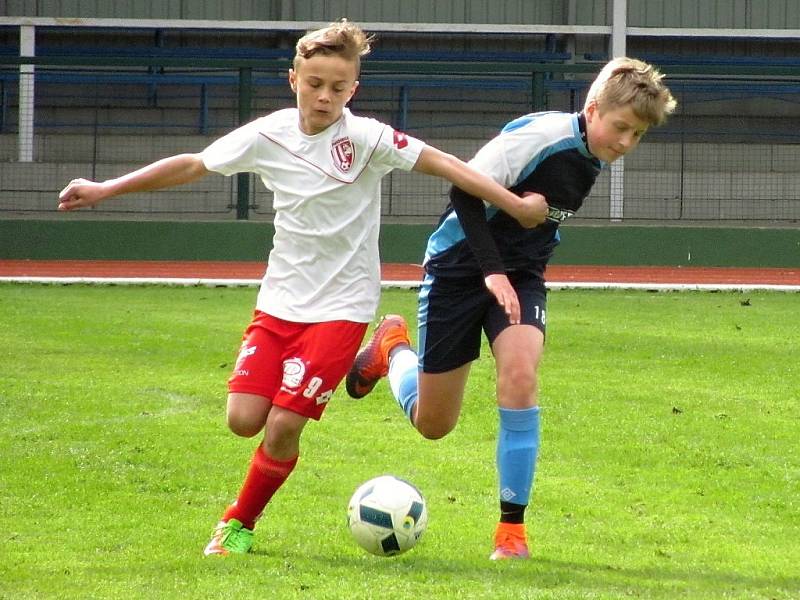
167,172
529,211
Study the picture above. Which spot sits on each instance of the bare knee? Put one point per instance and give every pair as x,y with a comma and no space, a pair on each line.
243,427
439,402
434,429
247,414
518,383
284,428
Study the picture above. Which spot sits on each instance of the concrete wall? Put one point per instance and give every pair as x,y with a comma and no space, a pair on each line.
608,245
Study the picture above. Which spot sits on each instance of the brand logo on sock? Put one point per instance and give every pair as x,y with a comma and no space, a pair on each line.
294,370
507,494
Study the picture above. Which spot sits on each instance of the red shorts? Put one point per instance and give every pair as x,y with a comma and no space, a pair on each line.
296,365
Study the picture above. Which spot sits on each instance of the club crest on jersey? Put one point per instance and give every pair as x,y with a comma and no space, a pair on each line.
343,153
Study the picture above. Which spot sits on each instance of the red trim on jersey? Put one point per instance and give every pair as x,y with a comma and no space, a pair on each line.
318,168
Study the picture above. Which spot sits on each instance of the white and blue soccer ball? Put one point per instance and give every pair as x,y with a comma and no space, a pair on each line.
387,515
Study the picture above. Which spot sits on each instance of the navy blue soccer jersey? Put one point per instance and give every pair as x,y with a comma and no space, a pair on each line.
541,152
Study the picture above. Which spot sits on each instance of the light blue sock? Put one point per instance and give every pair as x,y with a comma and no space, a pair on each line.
403,379
517,447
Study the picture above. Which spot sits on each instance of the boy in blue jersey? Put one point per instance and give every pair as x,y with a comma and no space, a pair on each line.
484,271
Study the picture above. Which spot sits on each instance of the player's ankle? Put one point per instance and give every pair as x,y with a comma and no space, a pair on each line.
398,348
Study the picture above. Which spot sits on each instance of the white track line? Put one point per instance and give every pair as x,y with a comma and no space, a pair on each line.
177,281
667,287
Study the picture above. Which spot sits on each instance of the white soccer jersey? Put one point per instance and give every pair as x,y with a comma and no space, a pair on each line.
324,264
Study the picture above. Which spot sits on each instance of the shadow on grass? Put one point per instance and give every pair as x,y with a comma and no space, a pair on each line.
661,576
546,573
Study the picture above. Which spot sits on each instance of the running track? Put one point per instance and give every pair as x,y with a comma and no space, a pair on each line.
249,273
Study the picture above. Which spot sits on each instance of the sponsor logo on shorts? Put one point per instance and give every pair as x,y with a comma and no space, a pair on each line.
343,153
559,215
243,354
324,397
294,371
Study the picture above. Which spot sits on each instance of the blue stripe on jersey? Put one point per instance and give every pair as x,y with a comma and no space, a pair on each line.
422,316
566,143
523,120
447,235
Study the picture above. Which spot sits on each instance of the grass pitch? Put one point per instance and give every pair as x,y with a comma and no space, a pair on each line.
669,467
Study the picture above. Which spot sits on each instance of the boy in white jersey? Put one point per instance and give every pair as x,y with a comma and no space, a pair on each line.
485,272
322,283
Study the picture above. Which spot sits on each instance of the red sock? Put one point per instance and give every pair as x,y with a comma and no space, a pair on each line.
263,479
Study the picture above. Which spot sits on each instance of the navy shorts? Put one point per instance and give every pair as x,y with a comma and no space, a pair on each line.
452,312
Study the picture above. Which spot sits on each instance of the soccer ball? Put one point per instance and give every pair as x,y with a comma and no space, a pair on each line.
387,515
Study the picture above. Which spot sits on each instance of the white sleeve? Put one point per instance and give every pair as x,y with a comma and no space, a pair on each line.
398,150
234,152
505,157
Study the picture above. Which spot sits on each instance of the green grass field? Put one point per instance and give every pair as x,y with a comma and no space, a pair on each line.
669,467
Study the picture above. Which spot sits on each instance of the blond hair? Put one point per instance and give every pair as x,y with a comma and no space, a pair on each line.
342,38
630,82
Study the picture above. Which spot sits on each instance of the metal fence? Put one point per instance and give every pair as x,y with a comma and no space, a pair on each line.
731,153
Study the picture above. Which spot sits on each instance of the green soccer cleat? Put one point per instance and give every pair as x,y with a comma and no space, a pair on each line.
230,537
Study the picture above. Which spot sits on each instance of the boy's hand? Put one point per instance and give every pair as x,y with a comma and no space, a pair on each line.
81,193
499,285
532,210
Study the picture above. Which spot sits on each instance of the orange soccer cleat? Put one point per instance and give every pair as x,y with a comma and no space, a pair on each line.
510,542
372,361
